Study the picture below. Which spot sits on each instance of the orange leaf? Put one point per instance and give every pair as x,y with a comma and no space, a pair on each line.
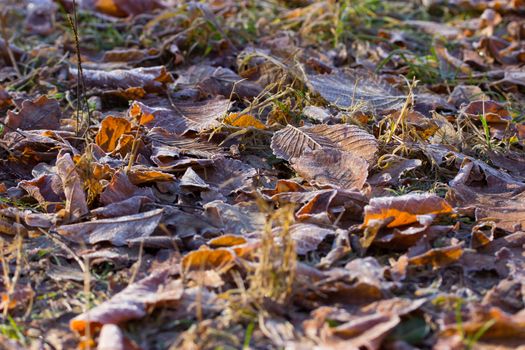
139,176
227,241
207,259
438,257
110,8
111,129
138,114
243,121
405,209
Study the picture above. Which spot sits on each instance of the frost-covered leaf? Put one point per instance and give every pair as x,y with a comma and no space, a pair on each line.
332,167
357,89
292,142
118,230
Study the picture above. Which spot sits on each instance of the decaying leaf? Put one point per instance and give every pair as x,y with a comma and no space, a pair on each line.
438,257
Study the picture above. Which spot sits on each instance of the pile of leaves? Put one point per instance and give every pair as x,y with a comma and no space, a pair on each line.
262,174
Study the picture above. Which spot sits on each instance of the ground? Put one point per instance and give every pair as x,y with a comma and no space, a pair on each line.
262,174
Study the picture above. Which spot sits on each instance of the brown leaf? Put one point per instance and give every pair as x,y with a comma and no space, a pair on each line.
111,129
499,197
292,142
118,230
130,55
406,209
217,81
504,325
46,189
121,188
76,204
438,257
491,110
151,79
307,237
131,303
332,167
228,175
41,113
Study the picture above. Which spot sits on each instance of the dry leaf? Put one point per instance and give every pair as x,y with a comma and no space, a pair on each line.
360,90
292,142
118,230
131,303
151,79
183,116
406,209
332,167
42,113
111,129
76,204
243,121
208,259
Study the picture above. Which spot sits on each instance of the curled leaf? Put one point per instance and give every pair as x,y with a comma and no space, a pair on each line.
111,129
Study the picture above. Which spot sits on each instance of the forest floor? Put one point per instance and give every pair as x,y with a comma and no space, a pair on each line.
262,174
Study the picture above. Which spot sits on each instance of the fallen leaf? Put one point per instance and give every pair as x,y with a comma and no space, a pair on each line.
121,188
332,167
112,338
115,230
227,241
76,203
243,121
292,142
110,131
438,257
355,89
41,113
151,79
406,209
123,8
307,237
131,303
208,259
183,116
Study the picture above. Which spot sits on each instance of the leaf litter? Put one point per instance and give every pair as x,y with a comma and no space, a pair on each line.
299,175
